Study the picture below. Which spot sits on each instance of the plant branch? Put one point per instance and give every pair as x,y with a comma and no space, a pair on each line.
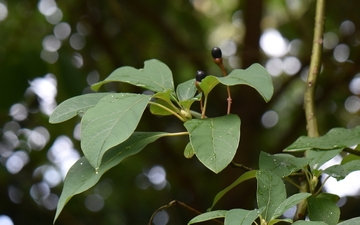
229,99
315,66
176,202
309,96
241,166
352,151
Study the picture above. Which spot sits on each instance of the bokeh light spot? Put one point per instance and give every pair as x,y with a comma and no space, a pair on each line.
352,104
94,202
51,43
3,12
55,16
15,194
354,85
274,66
49,57
341,52
269,119
291,65
347,28
5,220
18,112
77,41
330,40
62,30
77,60
272,43
17,161
161,218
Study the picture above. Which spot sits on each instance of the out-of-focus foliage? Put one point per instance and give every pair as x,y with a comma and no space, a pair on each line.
51,51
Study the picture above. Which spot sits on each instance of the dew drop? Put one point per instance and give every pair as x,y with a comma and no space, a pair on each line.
81,164
97,170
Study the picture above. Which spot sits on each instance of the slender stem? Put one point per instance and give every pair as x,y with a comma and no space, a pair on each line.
178,134
176,202
309,96
322,185
352,151
169,110
204,108
241,166
229,99
315,66
292,182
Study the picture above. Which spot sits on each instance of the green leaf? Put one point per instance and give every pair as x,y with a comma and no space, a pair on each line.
242,216
215,140
320,157
109,123
353,221
186,90
189,151
334,139
157,110
302,222
281,164
208,216
156,76
82,175
271,192
208,83
75,106
339,172
256,76
323,209
289,203
244,177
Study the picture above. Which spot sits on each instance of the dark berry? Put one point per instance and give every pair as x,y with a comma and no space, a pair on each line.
200,75
216,53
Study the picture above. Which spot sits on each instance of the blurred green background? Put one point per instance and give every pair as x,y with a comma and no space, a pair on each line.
51,51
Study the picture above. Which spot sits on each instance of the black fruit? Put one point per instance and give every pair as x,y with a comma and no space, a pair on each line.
200,75
216,53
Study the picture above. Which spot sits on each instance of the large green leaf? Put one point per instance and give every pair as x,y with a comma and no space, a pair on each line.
339,172
75,106
281,164
353,221
244,177
82,175
270,194
255,76
155,76
208,216
215,140
109,123
323,209
289,203
242,216
335,138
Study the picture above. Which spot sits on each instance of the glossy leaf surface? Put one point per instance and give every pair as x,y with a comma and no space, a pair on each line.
289,203
323,209
75,106
242,216
281,164
83,176
270,194
339,172
155,76
208,216
109,123
215,140
335,138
